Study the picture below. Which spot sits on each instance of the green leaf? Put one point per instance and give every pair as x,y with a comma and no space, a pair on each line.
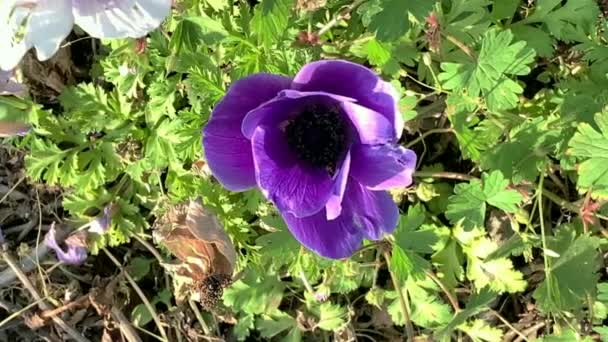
591,148
390,18
477,303
568,335
573,275
192,30
525,153
488,75
270,326
330,316
140,315
427,309
243,326
469,200
450,260
254,295
572,21
270,20
139,267
479,331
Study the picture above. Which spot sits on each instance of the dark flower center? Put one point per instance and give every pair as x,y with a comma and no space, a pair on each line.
318,137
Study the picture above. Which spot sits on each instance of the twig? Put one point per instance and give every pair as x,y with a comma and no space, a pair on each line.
442,174
447,293
27,265
20,312
140,293
531,330
340,16
126,327
460,45
509,325
403,300
56,311
427,133
199,317
43,305
12,190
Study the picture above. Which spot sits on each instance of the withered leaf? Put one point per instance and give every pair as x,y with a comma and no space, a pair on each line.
205,252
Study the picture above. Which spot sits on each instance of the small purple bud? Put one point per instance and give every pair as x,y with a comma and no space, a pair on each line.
101,224
8,85
321,296
75,253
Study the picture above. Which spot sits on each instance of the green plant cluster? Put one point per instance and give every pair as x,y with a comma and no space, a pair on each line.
508,202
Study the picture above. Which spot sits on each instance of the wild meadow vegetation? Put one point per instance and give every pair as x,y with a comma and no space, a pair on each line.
501,235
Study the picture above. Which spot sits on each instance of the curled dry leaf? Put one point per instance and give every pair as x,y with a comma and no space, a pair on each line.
206,256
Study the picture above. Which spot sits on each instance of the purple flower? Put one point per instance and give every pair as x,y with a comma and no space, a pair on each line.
8,86
321,146
101,224
75,252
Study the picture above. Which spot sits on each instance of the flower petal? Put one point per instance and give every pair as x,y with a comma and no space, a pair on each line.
101,224
8,86
74,255
292,186
383,167
47,23
356,81
227,151
285,106
331,239
120,18
373,213
365,214
334,203
371,126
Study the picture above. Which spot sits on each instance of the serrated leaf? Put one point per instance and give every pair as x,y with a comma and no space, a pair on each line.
524,155
488,75
480,331
591,147
243,326
191,31
390,18
573,276
270,326
469,200
270,20
254,295
477,303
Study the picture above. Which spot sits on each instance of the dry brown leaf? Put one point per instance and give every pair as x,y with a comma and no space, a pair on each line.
205,252
34,321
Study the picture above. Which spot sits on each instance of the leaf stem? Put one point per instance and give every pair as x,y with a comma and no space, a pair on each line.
343,14
403,300
543,234
443,174
427,133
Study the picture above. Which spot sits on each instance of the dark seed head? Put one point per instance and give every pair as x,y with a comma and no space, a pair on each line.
212,288
318,137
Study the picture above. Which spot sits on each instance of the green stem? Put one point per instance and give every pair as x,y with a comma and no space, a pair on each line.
543,234
403,300
427,133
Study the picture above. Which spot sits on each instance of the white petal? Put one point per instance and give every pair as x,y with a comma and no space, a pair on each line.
24,24
121,19
50,23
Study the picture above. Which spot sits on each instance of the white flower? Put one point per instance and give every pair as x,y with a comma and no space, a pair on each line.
44,24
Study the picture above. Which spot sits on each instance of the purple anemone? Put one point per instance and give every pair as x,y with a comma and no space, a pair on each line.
322,146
